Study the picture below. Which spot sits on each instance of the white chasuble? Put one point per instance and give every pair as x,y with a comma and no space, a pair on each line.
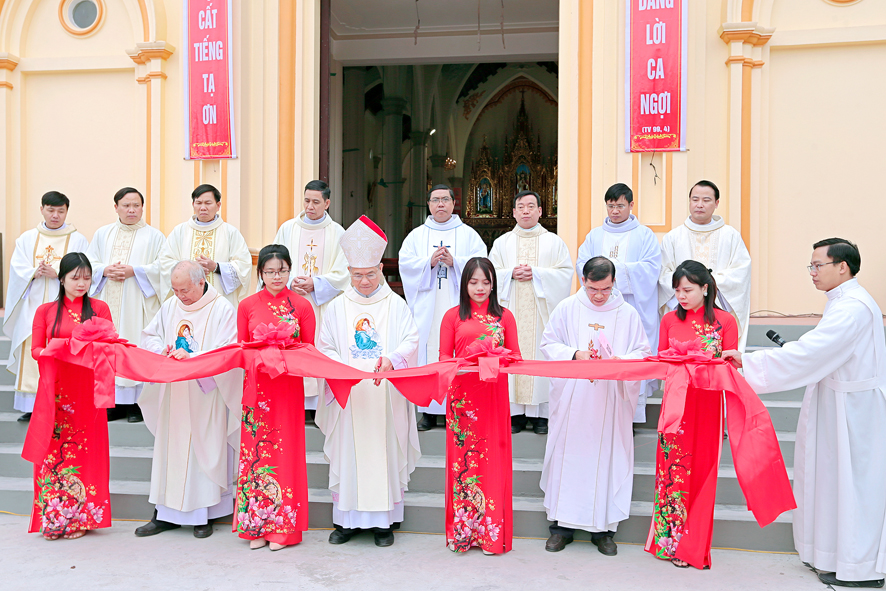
316,252
216,240
431,291
134,301
371,444
25,294
588,468
193,429
839,464
634,250
532,301
720,248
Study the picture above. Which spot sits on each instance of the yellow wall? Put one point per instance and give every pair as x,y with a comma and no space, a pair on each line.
784,115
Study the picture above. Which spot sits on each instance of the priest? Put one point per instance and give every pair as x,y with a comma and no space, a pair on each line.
33,281
431,260
216,245
633,249
320,271
534,273
196,424
126,277
588,470
839,465
705,237
372,443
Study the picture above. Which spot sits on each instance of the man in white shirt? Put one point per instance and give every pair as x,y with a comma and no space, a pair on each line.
431,260
33,281
705,237
839,464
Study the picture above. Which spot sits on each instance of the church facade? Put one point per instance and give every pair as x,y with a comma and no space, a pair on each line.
785,112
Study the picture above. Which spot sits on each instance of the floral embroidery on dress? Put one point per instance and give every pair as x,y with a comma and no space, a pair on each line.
711,337
63,499
493,327
75,316
669,507
471,525
284,313
261,507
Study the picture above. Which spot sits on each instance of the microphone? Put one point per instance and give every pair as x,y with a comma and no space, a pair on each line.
775,338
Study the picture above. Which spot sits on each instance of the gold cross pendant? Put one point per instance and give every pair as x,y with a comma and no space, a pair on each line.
596,326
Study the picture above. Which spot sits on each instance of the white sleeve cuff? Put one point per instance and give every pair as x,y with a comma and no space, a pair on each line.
229,277
141,277
323,291
397,360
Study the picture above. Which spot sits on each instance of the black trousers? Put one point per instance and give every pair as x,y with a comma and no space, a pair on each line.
568,532
376,530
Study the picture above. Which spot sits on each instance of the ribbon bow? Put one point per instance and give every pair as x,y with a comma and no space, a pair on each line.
99,332
270,340
490,358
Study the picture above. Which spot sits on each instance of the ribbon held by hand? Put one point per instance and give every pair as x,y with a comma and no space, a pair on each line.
100,333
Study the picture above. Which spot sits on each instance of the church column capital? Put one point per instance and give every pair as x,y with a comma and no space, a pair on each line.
419,138
394,105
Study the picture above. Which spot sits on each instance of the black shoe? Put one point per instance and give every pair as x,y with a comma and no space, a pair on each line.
831,579
557,542
203,531
540,426
310,417
116,413
339,537
518,423
384,539
154,527
135,414
25,418
427,422
605,545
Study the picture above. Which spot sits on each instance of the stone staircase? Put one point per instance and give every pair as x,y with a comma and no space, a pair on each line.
131,447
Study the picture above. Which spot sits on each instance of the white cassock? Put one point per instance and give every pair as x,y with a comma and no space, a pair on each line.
588,469
371,444
430,292
531,302
316,252
134,301
196,432
217,240
633,249
25,294
720,248
839,459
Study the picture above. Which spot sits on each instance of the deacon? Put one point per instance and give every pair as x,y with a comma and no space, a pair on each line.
634,250
33,281
126,277
839,467
705,237
534,272
216,245
431,260
588,469
319,271
196,424
371,444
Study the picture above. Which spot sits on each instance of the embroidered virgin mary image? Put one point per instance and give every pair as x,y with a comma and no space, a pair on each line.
185,339
367,342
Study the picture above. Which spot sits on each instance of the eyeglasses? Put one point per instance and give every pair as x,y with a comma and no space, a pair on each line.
280,273
437,200
593,291
530,207
619,207
817,266
370,276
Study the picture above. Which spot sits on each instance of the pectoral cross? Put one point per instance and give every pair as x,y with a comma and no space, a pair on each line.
441,269
613,253
596,326
311,245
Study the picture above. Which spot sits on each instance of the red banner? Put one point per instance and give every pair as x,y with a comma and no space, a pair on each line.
208,80
655,76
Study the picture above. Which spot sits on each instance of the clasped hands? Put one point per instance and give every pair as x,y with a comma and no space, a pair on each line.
443,255
118,272
302,285
44,270
522,273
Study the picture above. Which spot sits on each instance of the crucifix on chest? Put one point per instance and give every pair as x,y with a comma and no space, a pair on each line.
441,269
596,326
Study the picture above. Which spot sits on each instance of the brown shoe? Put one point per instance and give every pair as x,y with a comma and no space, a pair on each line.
557,542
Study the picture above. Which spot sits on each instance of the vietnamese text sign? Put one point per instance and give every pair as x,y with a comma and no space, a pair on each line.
655,75
208,80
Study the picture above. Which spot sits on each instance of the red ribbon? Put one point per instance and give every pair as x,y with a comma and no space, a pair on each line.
490,358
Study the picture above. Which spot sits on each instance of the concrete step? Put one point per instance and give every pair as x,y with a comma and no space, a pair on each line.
120,432
646,444
784,413
127,463
734,526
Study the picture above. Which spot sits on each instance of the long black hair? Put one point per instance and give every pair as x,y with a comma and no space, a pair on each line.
464,300
696,273
70,263
269,253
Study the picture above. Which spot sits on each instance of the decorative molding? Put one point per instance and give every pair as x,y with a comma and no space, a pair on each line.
63,18
514,86
745,61
4,84
749,33
842,3
8,61
145,52
150,75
